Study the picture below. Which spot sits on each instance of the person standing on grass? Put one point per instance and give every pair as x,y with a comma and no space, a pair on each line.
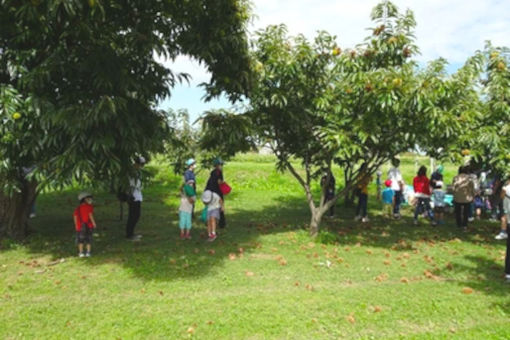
505,216
188,197
215,206
507,260
362,190
421,185
438,196
84,223
436,176
388,196
397,185
213,185
378,184
189,175
463,195
135,201
330,189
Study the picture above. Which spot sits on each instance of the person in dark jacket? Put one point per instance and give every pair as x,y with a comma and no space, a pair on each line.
213,184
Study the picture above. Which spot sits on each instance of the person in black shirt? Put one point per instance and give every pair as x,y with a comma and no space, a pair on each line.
213,184
437,176
330,189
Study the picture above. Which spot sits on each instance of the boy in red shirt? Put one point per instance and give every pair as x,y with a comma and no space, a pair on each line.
84,223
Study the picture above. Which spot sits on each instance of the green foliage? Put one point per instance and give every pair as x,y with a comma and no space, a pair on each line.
489,140
321,105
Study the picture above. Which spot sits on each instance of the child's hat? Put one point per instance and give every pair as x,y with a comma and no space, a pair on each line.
190,162
439,184
82,195
388,183
218,161
207,196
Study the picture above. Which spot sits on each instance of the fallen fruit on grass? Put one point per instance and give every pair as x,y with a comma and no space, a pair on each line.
191,330
467,290
351,318
212,251
232,256
404,280
250,274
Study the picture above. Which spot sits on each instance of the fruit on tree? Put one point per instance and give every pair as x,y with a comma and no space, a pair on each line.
465,152
392,40
337,51
494,55
501,66
397,82
368,87
16,115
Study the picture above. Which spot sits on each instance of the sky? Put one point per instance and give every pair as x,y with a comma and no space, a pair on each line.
452,29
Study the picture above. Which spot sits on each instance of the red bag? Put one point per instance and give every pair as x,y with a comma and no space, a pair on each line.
225,188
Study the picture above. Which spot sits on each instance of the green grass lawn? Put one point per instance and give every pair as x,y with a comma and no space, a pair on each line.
264,278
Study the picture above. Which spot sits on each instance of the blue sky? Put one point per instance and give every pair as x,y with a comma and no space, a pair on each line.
452,29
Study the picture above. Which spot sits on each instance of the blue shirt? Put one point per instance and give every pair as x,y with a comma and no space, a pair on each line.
189,175
387,195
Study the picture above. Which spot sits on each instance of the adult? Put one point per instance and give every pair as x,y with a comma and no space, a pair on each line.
213,184
330,189
397,185
505,215
436,176
362,191
421,185
189,178
463,195
135,200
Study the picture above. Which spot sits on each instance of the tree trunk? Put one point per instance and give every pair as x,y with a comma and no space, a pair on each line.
15,210
315,222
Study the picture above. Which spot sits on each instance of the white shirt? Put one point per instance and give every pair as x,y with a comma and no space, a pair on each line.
215,202
136,189
506,189
186,206
396,177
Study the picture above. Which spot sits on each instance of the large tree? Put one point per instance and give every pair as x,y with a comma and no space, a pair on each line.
80,81
320,105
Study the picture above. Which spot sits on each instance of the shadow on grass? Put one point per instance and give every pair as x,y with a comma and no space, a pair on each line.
161,255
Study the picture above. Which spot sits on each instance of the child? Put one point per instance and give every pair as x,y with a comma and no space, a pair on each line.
378,184
438,196
387,197
188,197
421,186
214,207
84,223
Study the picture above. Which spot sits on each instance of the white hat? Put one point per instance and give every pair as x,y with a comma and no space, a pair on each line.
140,160
207,196
439,184
84,195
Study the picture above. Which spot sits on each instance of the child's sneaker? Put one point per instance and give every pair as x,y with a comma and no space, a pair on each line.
81,255
188,237
183,237
88,254
503,235
365,220
415,222
212,237
357,218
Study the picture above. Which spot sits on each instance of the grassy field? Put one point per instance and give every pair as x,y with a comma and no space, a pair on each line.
264,278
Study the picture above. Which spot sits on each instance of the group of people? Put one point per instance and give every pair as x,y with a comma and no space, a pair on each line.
212,197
